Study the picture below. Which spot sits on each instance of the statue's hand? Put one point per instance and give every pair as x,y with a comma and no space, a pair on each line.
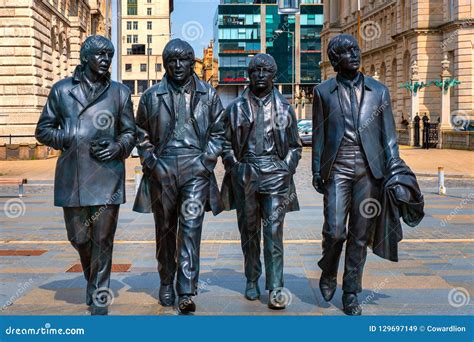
318,183
109,152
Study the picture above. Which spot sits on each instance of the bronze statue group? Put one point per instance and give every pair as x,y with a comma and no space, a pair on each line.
181,129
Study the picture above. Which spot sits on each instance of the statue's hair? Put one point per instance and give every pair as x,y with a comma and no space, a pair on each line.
177,47
94,44
262,59
337,45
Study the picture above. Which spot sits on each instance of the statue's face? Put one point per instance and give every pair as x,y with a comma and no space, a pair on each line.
261,79
349,60
99,63
179,68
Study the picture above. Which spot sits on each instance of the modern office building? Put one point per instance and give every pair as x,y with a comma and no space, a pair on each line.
40,42
245,27
405,41
144,28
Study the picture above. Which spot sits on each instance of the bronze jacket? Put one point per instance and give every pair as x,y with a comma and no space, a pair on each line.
156,122
376,126
239,121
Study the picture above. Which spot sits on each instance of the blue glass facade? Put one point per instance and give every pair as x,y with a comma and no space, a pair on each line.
238,32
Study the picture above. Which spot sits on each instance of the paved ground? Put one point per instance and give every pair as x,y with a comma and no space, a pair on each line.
456,163
434,275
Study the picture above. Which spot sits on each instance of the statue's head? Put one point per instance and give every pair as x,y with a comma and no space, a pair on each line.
262,70
344,53
178,59
96,54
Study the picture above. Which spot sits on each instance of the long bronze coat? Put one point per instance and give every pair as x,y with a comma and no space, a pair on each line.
68,118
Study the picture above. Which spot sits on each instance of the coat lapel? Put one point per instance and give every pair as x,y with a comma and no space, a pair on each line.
247,118
365,100
163,93
281,107
196,94
77,93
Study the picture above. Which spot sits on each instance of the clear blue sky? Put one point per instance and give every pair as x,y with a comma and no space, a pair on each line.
192,20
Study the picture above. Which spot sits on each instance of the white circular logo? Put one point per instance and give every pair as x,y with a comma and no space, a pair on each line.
459,120
192,30
370,30
281,296
103,120
102,297
14,208
370,208
458,297
192,208
282,121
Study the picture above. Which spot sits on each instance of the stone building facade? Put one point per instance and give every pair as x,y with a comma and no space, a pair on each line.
40,42
145,29
414,40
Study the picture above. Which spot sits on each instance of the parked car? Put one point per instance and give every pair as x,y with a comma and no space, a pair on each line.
305,130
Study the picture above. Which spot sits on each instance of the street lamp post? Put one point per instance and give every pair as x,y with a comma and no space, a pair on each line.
293,64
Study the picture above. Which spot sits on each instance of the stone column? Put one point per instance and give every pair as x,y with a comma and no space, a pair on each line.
415,103
445,122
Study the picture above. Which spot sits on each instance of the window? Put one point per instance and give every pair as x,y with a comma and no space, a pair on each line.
148,11
135,39
130,84
149,39
157,67
142,67
138,49
129,38
129,25
142,86
131,7
150,51
135,25
149,25
148,1
128,68
129,51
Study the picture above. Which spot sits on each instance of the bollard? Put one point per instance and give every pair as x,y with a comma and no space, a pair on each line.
138,178
441,187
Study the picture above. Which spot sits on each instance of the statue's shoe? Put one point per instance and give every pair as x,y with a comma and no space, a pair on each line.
351,304
186,304
167,295
327,285
252,291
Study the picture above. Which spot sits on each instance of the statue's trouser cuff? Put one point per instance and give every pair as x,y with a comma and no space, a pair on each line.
351,192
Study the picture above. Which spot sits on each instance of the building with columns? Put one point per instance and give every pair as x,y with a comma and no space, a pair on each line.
407,41
40,42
